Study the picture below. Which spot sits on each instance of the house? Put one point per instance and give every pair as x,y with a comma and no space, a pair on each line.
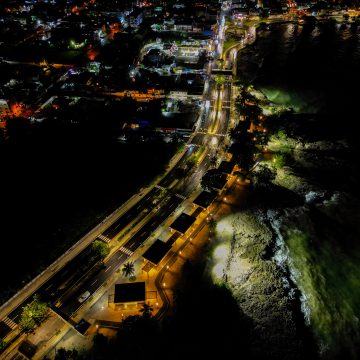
129,295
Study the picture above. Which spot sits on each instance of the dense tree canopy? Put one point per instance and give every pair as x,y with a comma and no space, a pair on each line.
100,249
33,314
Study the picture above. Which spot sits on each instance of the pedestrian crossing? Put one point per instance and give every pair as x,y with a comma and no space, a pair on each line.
126,251
18,356
104,238
207,133
181,196
10,323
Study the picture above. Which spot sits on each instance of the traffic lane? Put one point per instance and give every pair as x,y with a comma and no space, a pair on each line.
181,182
162,214
15,313
51,284
198,139
119,257
115,228
172,176
227,92
92,284
69,276
194,180
131,214
223,126
61,276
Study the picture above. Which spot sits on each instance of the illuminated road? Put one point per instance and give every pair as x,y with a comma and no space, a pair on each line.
63,289
217,115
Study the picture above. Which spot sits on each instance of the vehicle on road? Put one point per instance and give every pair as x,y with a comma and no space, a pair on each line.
83,296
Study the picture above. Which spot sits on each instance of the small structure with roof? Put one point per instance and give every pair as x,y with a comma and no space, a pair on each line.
214,179
129,294
205,198
156,252
183,223
173,238
226,167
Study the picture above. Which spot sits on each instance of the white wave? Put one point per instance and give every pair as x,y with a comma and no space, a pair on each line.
284,261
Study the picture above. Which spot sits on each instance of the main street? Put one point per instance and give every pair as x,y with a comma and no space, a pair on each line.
155,207
218,119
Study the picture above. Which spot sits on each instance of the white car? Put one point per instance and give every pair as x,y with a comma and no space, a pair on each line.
83,296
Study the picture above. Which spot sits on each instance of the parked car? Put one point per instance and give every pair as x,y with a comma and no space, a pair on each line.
83,296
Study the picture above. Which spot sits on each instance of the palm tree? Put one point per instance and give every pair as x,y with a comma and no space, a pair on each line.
146,310
213,161
128,269
212,224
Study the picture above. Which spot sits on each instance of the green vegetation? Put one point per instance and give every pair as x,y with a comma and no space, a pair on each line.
180,148
279,161
243,147
2,344
72,354
324,270
220,63
229,43
100,249
146,310
212,224
263,176
220,79
128,269
194,158
33,314
256,284
282,143
331,281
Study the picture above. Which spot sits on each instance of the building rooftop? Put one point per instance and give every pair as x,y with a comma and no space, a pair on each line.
130,292
205,198
183,223
226,167
156,251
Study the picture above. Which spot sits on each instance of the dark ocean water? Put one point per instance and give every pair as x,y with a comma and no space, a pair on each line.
312,66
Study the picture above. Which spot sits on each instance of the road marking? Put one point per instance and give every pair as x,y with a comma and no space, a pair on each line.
93,282
10,323
104,238
108,268
181,196
126,251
